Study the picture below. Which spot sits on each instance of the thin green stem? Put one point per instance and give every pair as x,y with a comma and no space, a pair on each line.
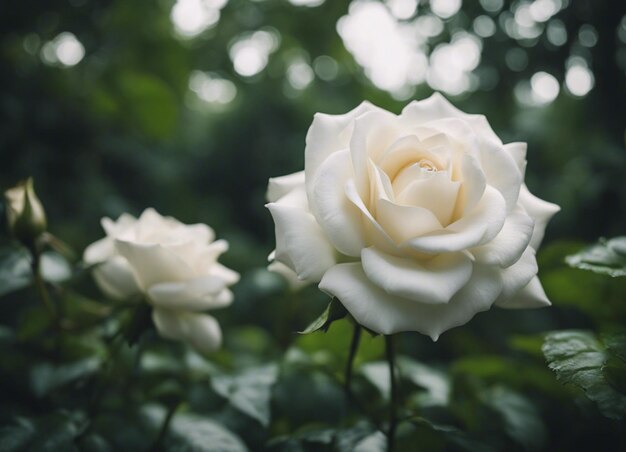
157,444
393,399
354,346
40,284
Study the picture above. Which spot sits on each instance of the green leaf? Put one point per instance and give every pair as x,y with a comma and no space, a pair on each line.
49,433
616,344
334,311
193,433
607,257
249,391
15,271
46,377
578,357
449,437
521,419
436,384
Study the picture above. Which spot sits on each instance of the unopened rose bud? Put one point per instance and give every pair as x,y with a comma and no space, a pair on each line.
25,214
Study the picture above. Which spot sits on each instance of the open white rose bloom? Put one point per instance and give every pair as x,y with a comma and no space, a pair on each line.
414,222
173,265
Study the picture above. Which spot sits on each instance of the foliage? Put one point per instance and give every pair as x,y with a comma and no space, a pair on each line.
123,129
606,257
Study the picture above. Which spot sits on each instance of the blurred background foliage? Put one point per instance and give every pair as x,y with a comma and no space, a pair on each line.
190,106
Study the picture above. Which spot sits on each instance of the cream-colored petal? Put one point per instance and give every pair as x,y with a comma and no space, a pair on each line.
473,183
435,193
153,264
501,172
507,247
541,211
99,251
404,223
375,233
201,331
480,226
433,281
288,274
337,216
327,135
517,276
280,186
194,295
373,133
115,278
530,296
300,242
517,151
383,313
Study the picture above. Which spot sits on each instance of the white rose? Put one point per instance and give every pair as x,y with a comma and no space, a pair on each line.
173,265
414,222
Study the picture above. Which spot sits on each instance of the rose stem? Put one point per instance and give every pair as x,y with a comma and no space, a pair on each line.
157,444
40,285
389,346
354,346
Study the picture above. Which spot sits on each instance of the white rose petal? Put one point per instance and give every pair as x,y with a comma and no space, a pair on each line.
414,222
173,265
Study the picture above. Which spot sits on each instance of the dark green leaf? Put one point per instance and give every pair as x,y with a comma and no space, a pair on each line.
334,311
614,371
51,433
450,438
520,418
194,433
436,384
47,377
616,344
607,257
577,357
249,391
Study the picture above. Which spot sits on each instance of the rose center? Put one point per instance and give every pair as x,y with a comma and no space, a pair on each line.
427,165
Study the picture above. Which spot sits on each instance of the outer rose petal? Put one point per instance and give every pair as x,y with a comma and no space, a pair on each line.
327,135
200,330
438,107
375,309
507,247
116,279
300,242
517,276
153,264
432,282
288,274
338,217
280,186
517,150
207,292
541,211
530,296
374,132
99,251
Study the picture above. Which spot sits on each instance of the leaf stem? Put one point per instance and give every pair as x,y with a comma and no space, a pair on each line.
393,399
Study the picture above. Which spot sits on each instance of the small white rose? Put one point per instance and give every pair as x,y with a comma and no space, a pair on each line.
173,265
414,222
